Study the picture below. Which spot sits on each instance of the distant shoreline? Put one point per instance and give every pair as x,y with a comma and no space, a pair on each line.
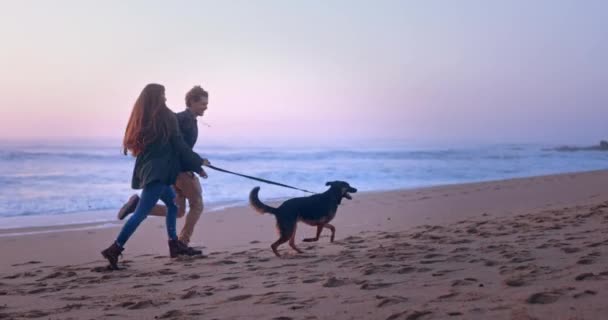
95,219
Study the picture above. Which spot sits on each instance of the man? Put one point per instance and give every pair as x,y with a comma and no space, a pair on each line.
187,186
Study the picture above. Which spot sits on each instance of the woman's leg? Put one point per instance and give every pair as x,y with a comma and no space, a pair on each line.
149,197
168,197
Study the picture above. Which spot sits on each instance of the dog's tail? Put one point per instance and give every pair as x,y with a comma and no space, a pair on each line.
258,205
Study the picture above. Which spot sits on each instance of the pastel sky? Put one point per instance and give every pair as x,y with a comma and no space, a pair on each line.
312,71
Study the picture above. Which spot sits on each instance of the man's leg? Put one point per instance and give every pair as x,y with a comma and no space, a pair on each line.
190,187
160,210
176,248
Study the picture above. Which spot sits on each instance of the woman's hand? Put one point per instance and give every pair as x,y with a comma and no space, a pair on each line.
206,162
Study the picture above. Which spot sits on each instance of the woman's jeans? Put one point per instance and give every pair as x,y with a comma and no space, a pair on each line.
149,196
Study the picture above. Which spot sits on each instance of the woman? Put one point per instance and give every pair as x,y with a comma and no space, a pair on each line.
153,136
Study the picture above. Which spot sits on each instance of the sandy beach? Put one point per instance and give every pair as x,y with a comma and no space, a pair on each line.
530,248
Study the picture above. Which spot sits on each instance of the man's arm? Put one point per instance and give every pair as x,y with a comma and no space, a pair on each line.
190,160
187,129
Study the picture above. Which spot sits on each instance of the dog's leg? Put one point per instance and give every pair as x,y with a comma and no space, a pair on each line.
292,242
277,243
333,231
319,229
287,230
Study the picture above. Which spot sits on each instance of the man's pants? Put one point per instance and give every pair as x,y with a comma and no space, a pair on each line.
187,186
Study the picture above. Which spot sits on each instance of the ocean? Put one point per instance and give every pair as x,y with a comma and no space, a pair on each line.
53,183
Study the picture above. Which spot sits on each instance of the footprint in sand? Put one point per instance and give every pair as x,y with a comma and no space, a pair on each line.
59,274
585,261
334,283
78,298
390,236
35,314
25,263
139,305
597,244
40,290
72,306
240,297
188,295
148,285
354,240
586,276
441,273
22,275
464,282
388,301
311,280
233,287
276,298
225,262
515,282
490,263
192,276
104,269
432,261
374,286
570,250
447,295
584,294
171,314
543,297
589,259
407,315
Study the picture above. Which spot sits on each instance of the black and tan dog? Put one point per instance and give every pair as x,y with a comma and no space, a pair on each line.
317,210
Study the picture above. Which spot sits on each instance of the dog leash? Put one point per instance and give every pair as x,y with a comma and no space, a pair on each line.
257,179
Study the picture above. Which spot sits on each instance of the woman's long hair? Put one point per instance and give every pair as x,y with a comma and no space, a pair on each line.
149,121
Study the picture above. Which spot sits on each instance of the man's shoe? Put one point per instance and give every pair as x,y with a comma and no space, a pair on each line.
195,252
128,207
178,248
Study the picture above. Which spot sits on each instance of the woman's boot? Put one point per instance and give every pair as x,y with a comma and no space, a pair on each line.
111,254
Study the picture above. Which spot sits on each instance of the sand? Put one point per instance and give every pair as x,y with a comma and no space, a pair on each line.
531,248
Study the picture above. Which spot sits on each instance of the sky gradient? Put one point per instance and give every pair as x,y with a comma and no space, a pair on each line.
311,71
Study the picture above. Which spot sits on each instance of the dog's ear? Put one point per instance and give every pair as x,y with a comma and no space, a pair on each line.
329,183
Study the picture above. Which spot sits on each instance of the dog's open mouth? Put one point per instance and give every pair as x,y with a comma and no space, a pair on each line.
347,195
